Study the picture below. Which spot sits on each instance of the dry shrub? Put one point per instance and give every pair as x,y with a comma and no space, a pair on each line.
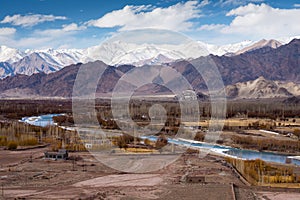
12,145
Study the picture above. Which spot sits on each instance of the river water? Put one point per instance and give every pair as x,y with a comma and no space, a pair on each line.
45,120
42,120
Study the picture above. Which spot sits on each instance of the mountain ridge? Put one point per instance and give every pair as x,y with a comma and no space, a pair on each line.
262,88
280,65
116,53
260,44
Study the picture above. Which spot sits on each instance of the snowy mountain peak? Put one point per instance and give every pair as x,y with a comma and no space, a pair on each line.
227,49
10,55
118,53
260,44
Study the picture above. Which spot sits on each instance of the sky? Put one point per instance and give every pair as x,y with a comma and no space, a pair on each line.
59,24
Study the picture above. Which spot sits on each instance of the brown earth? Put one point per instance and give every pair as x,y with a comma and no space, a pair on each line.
87,178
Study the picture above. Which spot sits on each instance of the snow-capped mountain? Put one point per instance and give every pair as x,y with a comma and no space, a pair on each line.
13,61
227,49
239,74
36,61
32,64
60,57
118,52
262,88
260,44
113,53
10,55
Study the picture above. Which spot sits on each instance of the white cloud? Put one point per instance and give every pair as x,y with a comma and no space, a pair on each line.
175,17
204,3
66,29
7,35
30,20
38,42
297,5
237,2
73,27
210,27
39,39
34,42
7,31
259,21
264,21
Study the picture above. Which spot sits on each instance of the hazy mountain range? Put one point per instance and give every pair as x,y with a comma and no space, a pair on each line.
264,71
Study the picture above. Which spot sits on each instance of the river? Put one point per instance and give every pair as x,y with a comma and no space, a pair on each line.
45,120
42,120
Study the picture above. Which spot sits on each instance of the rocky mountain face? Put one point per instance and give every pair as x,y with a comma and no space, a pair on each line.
158,80
262,88
58,84
55,84
273,64
33,64
279,67
5,70
292,100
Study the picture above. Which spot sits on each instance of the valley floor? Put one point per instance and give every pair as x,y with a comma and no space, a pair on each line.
27,175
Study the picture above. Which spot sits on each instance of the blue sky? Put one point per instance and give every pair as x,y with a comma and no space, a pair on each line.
38,24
